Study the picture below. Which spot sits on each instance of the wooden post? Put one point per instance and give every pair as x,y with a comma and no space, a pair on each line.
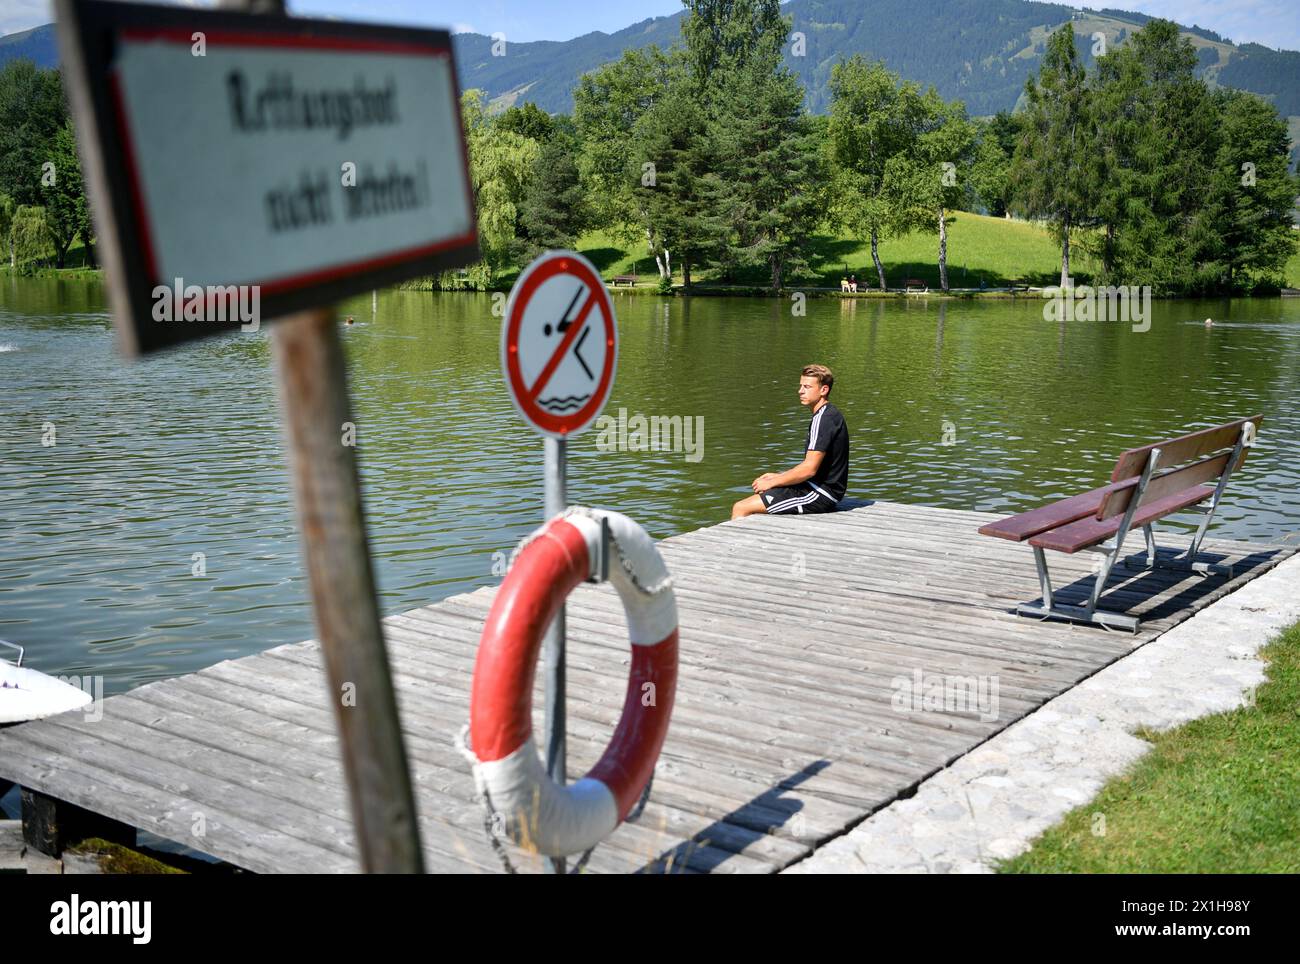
311,376
312,379
50,825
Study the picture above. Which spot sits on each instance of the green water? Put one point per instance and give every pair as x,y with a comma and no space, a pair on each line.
180,454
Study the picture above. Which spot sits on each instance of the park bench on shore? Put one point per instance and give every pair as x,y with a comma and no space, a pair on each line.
623,279
1137,496
916,285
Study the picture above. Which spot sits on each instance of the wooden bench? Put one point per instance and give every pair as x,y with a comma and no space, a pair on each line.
912,284
1137,496
623,279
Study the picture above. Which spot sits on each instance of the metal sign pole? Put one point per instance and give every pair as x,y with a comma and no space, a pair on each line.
555,499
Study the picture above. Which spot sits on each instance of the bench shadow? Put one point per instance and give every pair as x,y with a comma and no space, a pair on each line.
725,837
1148,584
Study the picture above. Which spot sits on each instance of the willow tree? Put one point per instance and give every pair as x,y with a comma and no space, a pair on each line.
501,162
7,210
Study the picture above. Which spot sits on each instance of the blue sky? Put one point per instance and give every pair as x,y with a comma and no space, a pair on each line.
1275,23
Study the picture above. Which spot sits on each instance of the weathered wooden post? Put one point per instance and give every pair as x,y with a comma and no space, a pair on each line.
266,218
312,382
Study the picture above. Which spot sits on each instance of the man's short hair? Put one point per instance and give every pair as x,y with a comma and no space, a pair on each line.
823,375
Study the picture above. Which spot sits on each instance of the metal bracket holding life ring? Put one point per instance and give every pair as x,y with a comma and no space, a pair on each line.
536,812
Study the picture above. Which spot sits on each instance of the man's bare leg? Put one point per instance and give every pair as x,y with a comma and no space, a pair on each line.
751,506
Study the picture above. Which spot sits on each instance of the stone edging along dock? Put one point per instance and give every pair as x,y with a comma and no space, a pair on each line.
797,633
994,801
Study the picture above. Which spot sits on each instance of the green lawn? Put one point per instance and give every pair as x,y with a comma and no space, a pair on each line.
1218,794
74,267
992,249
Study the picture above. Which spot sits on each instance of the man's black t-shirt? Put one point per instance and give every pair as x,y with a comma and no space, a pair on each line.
828,433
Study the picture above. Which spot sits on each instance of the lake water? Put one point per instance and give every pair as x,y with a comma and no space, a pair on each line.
156,461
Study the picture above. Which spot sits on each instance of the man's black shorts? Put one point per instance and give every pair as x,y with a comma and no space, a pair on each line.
801,498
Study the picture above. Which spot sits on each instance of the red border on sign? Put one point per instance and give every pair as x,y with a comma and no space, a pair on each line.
548,421
232,38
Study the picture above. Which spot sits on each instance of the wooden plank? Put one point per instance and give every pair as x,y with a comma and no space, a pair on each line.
783,735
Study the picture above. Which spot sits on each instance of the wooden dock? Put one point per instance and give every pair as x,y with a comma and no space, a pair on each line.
795,634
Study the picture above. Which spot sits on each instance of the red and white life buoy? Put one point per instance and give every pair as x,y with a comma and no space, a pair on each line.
538,812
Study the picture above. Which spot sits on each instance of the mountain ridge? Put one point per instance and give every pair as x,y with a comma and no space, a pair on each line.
980,51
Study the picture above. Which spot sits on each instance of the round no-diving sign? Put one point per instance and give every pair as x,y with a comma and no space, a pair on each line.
559,344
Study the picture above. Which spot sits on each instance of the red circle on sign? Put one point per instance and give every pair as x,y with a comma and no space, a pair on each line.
523,395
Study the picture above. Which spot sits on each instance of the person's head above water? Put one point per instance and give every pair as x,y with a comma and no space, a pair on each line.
815,384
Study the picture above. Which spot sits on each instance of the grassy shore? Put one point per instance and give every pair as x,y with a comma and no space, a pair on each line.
994,252
1216,795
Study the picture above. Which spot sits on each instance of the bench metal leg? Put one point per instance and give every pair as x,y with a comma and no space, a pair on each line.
1044,580
1183,562
1078,614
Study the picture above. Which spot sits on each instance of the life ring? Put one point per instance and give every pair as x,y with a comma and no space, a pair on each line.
536,811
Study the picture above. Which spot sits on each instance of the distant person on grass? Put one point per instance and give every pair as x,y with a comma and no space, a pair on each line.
818,482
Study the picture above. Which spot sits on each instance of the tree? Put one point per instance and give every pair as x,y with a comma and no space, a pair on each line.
7,210
608,102
1055,167
30,236
724,37
682,201
768,165
990,173
528,121
66,211
868,125
1157,128
500,163
924,183
32,111
1252,190
771,167
554,209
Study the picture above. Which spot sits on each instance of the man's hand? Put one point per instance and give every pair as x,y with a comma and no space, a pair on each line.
763,482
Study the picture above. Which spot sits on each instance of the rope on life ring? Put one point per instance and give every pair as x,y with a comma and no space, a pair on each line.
528,806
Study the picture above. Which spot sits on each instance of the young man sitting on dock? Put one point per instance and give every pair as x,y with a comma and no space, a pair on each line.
818,482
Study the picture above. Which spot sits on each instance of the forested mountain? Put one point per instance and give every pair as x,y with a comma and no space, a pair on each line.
980,51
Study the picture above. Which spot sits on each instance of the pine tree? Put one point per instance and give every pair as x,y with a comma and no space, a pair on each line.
65,198
553,212
1252,190
1157,140
683,196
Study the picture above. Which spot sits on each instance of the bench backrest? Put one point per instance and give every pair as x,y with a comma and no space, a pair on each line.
1171,475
